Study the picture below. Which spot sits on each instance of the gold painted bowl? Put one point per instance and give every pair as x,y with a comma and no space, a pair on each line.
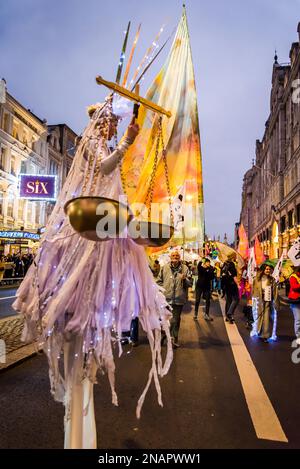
147,233
98,218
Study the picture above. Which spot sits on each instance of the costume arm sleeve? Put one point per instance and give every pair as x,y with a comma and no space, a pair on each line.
109,163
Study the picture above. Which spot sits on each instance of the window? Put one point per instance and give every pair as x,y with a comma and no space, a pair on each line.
70,145
25,137
53,167
23,167
3,154
13,166
37,213
282,224
291,220
6,123
21,209
1,203
36,146
15,132
29,212
10,204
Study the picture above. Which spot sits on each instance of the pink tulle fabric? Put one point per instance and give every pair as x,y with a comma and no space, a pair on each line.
78,288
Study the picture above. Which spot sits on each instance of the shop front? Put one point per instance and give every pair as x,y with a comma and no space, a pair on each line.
18,242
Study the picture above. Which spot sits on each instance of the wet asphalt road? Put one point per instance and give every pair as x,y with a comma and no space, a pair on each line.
204,404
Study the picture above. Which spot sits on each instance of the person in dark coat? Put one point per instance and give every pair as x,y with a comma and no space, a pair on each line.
230,286
203,288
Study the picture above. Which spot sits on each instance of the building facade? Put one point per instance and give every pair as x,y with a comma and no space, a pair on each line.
27,146
271,188
61,149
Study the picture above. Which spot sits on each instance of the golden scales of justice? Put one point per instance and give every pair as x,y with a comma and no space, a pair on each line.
82,210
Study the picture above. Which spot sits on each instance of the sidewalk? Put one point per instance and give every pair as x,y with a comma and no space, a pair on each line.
15,350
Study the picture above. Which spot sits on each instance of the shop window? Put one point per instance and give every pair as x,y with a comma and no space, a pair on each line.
291,220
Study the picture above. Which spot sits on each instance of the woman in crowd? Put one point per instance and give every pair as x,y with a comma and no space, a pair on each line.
264,296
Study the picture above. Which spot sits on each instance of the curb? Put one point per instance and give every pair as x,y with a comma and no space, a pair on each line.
18,356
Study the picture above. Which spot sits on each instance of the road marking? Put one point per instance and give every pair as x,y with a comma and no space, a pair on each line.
263,415
7,297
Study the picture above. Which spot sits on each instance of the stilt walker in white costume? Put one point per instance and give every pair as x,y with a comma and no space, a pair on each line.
79,295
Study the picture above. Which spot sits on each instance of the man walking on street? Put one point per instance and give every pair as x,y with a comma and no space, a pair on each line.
203,288
175,279
230,285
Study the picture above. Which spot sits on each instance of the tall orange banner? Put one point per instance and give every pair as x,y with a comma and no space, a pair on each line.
243,247
174,90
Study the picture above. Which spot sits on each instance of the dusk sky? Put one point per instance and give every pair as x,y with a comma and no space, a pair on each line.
51,51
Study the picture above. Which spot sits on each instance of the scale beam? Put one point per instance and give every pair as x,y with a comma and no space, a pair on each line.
133,96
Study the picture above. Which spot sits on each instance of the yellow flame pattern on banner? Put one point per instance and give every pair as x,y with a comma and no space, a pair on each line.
173,89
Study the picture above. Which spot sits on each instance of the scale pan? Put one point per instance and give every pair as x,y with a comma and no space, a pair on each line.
84,219
147,233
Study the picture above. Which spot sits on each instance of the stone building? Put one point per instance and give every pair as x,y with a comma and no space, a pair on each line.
23,149
61,149
271,188
27,146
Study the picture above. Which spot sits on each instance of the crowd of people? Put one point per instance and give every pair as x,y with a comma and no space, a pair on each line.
14,266
206,277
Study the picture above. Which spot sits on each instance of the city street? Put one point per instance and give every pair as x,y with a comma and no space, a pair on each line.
215,396
7,296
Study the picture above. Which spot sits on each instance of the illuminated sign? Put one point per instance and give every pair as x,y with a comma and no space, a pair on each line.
19,235
37,186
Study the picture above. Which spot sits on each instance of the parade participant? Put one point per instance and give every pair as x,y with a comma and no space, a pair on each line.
230,287
156,268
217,277
203,288
294,301
264,295
79,295
174,278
